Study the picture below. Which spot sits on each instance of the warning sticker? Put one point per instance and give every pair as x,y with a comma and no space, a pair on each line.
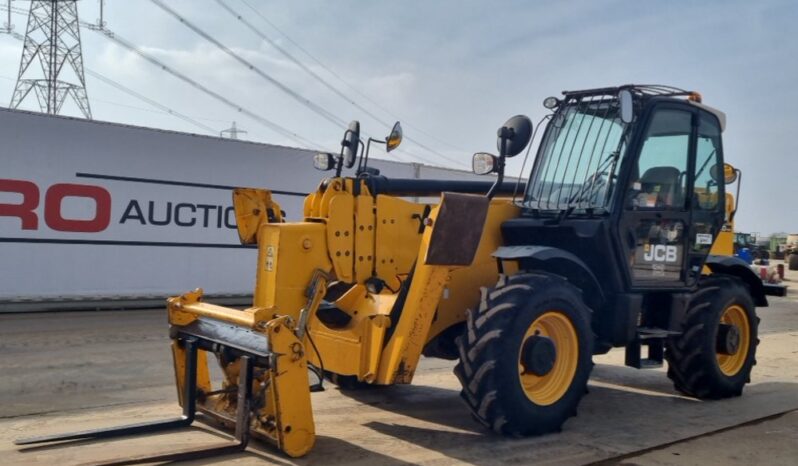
703,238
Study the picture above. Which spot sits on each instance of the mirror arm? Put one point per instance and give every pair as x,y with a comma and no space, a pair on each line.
362,152
339,163
365,157
736,196
361,163
499,166
499,178
360,159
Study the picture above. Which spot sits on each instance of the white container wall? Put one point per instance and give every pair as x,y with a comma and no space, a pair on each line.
92,210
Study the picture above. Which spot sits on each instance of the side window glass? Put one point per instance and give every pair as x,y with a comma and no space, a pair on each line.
660,176
707,165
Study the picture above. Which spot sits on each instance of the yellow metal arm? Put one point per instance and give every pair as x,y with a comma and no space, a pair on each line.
188,307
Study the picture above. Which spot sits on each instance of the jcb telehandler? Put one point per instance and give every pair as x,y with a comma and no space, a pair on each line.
607,245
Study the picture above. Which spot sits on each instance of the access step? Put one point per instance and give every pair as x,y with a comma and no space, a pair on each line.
654,339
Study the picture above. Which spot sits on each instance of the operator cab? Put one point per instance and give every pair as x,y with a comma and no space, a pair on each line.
625,179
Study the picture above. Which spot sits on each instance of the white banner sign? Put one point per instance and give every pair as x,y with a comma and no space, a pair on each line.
97,209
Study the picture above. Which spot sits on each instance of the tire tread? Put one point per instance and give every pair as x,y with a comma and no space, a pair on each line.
689,367
480,354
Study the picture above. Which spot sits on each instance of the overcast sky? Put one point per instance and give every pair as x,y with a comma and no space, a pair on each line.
454,71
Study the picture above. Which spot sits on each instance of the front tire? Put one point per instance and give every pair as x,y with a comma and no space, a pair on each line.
525,357
706,360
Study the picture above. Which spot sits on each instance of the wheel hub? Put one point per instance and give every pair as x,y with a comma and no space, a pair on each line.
539,355
728,340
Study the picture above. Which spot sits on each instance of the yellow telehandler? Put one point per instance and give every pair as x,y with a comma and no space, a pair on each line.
608,244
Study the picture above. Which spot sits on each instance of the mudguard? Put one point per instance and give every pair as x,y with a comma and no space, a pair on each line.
560,262
735,266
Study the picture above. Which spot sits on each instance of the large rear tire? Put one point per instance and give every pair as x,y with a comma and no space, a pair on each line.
716,351
525,356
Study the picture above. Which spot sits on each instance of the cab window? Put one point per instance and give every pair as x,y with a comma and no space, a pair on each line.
659,180
708,169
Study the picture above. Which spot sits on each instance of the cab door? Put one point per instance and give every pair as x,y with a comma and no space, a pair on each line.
708,195
655,221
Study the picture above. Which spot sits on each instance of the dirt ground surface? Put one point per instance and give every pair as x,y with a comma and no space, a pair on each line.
79,370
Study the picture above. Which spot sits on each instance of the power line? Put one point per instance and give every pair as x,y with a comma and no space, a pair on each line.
296,61
125,44
13,9
342,80
264,121
133,93
153,110
155,104
329,116
271,125
132,107
295,95
320,79
312,106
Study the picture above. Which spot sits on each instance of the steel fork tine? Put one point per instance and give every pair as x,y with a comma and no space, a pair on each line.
189,411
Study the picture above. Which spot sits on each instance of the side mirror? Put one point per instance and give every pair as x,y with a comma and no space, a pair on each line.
626,101
395,138
483,163
323,161
514,136
729,173
350,144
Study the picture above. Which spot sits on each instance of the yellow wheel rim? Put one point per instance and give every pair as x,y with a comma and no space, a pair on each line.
730,364
548,389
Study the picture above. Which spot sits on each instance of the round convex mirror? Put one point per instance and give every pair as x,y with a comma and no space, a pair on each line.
514,136
394,139
728,176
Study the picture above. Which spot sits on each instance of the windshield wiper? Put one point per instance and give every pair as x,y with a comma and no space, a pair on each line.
587,188
704,166
593,179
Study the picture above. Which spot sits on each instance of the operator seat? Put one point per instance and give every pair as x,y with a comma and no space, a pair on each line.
665,181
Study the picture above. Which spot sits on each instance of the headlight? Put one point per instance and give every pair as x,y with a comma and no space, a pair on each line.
483,163
551,102
324,161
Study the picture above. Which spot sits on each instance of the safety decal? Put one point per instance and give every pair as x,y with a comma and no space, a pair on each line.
703,238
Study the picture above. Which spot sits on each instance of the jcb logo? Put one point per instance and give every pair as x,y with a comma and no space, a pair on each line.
661,253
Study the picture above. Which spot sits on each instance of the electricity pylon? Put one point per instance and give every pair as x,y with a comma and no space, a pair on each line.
53,40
